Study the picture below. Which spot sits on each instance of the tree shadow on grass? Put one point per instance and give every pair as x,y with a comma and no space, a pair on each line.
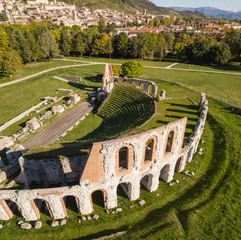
97,78
181,111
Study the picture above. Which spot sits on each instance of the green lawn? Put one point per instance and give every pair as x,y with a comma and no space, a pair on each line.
225,88
172,110
226,68
19,97
32,68
120,61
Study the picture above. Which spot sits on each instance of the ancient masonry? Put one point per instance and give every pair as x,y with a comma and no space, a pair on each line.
138,159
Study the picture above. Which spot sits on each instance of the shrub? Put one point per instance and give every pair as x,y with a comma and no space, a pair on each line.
115,71
131,69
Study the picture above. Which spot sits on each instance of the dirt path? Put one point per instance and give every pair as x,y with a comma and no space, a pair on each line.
59,127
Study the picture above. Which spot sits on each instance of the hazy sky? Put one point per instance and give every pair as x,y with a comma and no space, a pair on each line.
234,5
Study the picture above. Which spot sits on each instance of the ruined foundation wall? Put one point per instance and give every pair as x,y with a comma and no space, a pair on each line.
102,171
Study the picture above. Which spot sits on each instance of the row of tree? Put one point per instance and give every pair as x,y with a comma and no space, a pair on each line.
23,44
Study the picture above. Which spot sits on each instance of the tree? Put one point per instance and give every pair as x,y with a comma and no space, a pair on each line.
34,46
95,49
169,38
48,46
220,54
79,44
157,22
104,41
131,69
10,61
120,44
3,40
159,51
101,24
3,17
65,43
142,44
18,42
115,71
132,51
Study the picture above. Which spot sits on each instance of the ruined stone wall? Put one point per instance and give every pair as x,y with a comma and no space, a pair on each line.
139,82
102,170
58,171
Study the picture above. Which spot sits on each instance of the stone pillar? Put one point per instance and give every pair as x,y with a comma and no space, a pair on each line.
134,190
55,206
26,209
111,197
163,94
5,212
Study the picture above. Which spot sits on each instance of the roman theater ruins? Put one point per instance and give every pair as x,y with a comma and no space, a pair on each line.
127,162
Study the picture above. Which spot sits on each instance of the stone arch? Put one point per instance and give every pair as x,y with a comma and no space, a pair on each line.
149,150
71,202
126,187
150,88
178,164
98,197
146,181
165,173
169,142
41,205
124,160
11,208
142,86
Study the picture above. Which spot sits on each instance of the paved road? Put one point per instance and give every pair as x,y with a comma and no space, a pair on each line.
59,127
42,72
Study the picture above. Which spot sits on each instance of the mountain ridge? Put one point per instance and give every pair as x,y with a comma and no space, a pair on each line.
129,6
212,12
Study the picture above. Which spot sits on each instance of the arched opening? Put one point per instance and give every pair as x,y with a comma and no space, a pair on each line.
98,199
71,203
43,207
123,158
124,190
178,164
145,181
149,148
142,86
150,89
164,173
169,142
13,207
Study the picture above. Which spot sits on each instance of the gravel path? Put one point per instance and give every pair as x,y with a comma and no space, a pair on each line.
59,127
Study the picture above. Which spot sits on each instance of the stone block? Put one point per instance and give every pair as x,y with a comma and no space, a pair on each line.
54,224
142,202
1,226
74,98
57,109
20,222
95,217
83,218
26,226
38,225
33,124
118,210
63,222
6,142
89,218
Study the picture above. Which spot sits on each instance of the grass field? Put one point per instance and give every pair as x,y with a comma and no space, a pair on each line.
32,68
206,206
16,98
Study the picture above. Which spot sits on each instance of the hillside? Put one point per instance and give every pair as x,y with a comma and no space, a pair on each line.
130,6
212,12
